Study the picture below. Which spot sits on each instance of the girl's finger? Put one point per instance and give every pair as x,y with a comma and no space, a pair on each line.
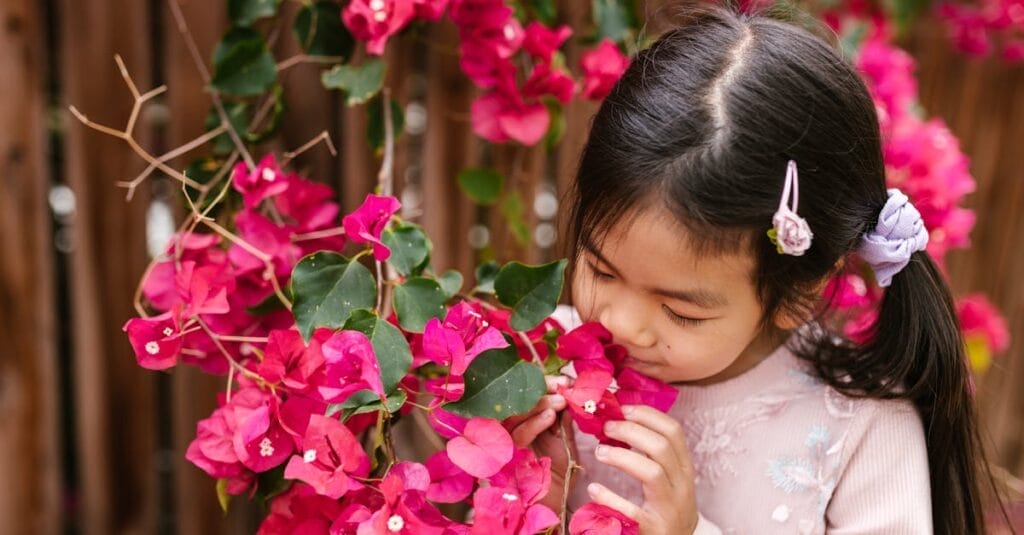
551,401
655,478
554,381
525,433
665,425
602,495
657,446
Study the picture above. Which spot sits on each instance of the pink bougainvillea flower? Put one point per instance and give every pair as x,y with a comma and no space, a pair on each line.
526,474
160,287
485,67
350,366
602,67
289,362
483,448
445,389
850,290
202,290
589,401
366,224
499,117
264,181
375,21
545,80
329,455
300,510
310,205
260,442
462,336
447,424
295,412
429,10
501,511
596,519
405,509
978,317
542,42
156,341
448,483
636,388
584,342
271,239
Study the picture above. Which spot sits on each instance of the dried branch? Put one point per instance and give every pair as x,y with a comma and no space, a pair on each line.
323,136
305,58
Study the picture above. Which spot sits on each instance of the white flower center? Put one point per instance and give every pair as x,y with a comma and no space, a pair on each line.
590,406
309,456
510,32
395,524
245,348
168,331
268,174
152,348
267,448
508,496
377,5
380,16
485,324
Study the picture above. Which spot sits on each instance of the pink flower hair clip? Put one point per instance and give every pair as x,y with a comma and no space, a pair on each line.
790,232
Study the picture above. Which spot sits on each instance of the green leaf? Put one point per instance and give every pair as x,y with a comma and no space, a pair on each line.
531,291
417,301
512,210
410,248
557,128
327,288
485,275
271,304
242,64
481,185
613,19
553,364
223,498
499,384
261,135
319,31
245,12
543,10
352,406
389,344
451,282
361,82
375,123
238,117
271,483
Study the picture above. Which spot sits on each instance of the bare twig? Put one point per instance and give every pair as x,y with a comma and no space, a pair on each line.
170,155
268,274
231,360
385,178
570,467
305,58
323,136
197,58
316,235
533,350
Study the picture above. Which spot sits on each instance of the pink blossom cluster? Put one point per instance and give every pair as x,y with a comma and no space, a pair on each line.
981,28
519,68
923,159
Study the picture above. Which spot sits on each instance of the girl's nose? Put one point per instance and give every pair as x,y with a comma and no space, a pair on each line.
628,326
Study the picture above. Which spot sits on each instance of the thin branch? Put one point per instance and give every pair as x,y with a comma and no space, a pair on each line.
385,178
213,336
533,350
305,58
199,141
570,467
268,274
316,235
323,136
197,58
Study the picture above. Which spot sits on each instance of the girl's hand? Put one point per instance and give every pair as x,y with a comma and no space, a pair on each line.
541,430
661,461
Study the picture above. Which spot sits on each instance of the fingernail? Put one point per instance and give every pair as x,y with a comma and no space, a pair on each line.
610,427
601,451
627,409
593,489
558,399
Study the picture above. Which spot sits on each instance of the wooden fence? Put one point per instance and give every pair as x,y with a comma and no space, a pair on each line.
94,444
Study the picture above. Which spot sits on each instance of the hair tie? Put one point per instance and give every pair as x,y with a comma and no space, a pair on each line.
790,232
900,232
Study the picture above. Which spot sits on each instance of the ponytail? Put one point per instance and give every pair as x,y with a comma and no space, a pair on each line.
916,352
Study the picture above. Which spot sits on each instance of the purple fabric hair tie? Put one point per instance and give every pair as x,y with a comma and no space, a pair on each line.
900,232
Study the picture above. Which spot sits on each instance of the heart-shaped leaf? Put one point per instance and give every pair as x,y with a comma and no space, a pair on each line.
483,448
245,12
242,64
390,346
451,282
531,291
327,288
417,301
485,275
360,403
481,185
361,82
499,384
410,248
375,123
319,31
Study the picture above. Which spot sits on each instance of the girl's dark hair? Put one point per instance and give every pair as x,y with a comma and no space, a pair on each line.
705,120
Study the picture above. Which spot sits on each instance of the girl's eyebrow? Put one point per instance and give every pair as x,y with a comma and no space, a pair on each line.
699,296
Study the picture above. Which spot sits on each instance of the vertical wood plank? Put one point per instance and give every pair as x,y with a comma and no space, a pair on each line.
113,395
30,500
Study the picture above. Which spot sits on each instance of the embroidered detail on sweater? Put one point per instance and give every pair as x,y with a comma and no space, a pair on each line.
814,473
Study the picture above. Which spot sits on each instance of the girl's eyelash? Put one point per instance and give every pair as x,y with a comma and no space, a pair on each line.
682,320
598,273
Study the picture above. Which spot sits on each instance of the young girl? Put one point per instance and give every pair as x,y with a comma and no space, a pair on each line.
727,128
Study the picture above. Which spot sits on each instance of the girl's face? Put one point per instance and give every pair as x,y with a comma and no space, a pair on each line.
683,317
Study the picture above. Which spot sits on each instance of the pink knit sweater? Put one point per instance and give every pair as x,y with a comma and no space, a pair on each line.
778,451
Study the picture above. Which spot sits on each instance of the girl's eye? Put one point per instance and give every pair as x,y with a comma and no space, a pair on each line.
682,320
598,273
